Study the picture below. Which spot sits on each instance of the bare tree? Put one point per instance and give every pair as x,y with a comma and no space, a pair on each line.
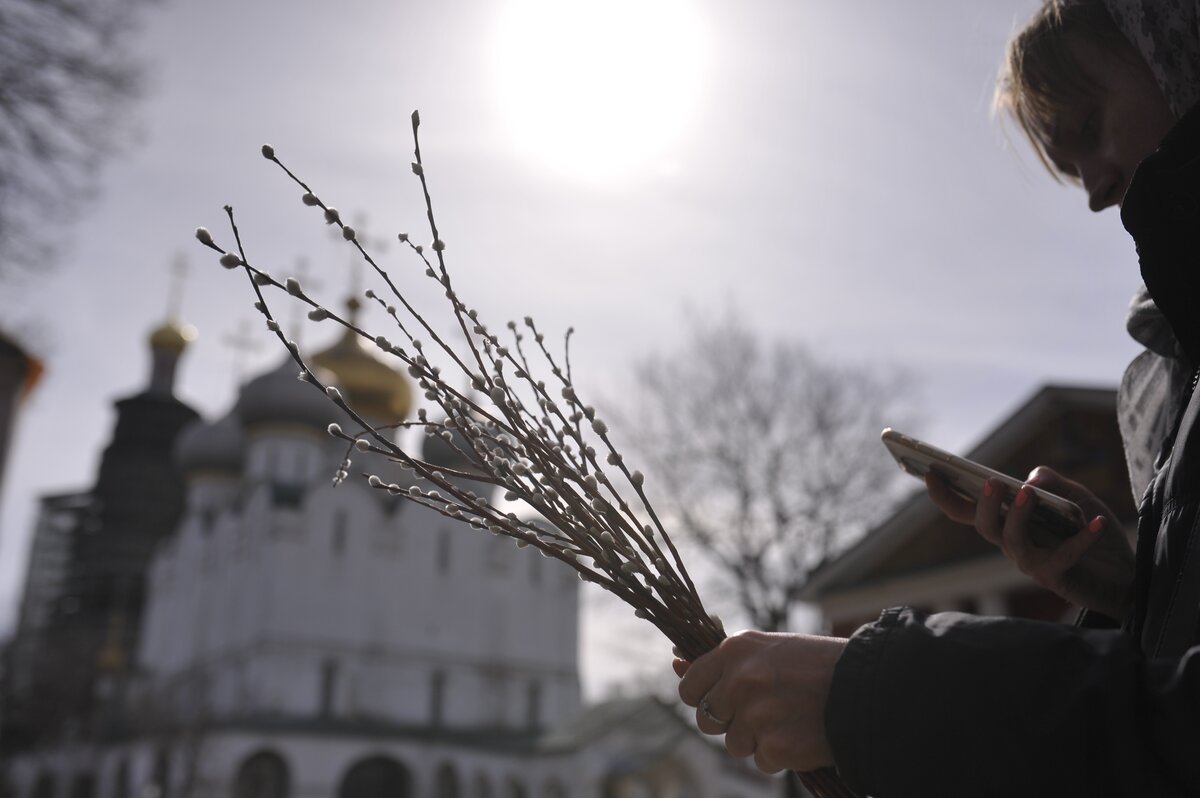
66,76
767,456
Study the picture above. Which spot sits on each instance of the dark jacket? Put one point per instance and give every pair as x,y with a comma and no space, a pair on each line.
954,705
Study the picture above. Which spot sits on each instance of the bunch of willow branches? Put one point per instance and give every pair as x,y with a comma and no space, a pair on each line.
521,428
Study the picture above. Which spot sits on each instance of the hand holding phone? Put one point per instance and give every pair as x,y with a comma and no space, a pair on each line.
1054,518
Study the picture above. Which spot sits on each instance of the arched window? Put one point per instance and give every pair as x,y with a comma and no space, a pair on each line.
262,775
120,788
443,551
44,786
339,532
83,786
535,569
160,781
437,698
533,706
445,782
376,777
514,788
483,786
553,788
327,697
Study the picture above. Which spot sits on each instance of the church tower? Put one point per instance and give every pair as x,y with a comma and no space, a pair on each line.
283,637
85,588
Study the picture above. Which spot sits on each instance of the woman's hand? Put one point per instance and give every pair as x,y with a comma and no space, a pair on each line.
766,693
1093,568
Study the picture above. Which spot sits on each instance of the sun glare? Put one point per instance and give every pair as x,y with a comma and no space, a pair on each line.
598,88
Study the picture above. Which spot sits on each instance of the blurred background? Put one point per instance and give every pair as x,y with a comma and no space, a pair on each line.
829,176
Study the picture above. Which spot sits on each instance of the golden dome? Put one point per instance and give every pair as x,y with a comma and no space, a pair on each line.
172,337
374,390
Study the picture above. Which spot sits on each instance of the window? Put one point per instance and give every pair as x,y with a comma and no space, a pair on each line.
443,552
208,540
533,706
445,782
513,788
328,688
262,775
437,697
535,566
44,786
83,786
483,786
120,787
376,777
339,533
240,538
553,788
160,780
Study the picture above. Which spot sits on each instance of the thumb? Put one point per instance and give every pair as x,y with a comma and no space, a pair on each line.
1074,547
1051,481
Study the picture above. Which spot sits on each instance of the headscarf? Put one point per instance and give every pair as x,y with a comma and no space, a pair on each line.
1151,390
1167,34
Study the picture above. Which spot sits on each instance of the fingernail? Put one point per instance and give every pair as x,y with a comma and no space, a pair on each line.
988,490
1097,524
1023,497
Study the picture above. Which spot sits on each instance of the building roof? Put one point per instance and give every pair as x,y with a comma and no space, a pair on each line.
903,532
211,447
640,716
374,389
277,396
658,727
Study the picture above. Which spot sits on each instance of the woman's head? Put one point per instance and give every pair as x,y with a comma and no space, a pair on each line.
1084,97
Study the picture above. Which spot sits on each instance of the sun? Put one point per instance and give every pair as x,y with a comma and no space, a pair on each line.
597,89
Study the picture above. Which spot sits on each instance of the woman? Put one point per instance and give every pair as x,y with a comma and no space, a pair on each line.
956,705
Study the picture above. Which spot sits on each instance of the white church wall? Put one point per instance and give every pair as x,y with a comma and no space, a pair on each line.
229,691
349,604
317,765
380,687
426,599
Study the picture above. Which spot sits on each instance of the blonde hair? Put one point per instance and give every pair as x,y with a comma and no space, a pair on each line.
1041,76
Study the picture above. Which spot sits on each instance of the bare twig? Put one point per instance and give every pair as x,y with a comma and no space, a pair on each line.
525,436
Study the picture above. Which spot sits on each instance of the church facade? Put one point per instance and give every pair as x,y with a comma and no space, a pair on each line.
304,639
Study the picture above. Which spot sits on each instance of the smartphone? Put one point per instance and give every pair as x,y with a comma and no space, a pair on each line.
1054,518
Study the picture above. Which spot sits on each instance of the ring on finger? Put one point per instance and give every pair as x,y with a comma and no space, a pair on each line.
706,711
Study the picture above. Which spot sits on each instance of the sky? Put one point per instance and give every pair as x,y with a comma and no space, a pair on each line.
829,172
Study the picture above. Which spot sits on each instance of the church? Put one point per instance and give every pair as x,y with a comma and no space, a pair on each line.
277,636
